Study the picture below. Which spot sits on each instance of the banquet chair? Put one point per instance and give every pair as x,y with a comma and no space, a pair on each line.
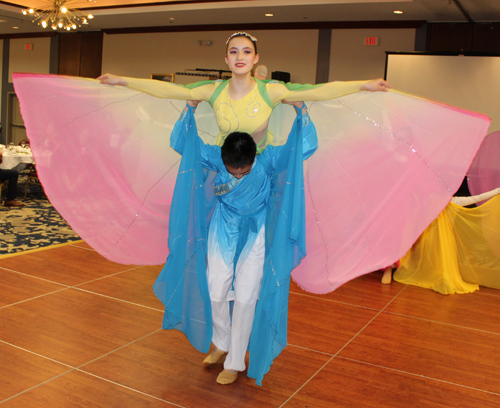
29,166
3,186
32,179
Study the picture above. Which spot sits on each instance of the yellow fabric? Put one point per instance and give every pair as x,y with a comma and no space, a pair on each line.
249,114
457,252
277,91
168,90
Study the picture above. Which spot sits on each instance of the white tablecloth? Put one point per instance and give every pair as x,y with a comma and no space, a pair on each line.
16,160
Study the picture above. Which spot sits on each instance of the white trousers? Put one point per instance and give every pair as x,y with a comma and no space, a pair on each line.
234,337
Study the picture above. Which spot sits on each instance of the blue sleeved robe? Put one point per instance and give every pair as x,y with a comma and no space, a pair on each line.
272,193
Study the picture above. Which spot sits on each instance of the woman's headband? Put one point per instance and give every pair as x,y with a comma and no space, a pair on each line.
242,34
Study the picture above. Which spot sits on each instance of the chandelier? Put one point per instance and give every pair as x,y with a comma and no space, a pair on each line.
59,15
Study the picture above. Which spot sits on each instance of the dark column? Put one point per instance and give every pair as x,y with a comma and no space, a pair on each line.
54,55
5,87
80,54
323,63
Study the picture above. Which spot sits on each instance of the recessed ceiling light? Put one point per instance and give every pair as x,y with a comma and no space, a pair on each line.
16,28
269,15
3,21
398,12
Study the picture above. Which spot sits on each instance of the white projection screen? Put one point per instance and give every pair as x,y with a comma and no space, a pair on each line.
467,81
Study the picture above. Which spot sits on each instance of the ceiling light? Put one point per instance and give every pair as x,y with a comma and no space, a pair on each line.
269,14
398,12
15,28
58,14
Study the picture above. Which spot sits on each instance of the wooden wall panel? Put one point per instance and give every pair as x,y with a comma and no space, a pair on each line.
91,54
80,54
451,37
69,53
486,38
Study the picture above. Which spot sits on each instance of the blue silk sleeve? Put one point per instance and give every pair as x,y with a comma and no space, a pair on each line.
182,284
285,247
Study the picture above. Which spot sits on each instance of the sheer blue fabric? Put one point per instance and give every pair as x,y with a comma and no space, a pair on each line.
285,247
182,285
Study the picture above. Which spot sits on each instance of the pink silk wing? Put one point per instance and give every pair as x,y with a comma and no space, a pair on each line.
386,166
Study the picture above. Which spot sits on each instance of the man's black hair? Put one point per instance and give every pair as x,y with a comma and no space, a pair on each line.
238,150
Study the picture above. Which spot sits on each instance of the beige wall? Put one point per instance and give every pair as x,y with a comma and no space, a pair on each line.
140,55
351,60
36,61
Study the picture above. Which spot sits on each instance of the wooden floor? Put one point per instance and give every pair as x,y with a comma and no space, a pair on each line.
79,331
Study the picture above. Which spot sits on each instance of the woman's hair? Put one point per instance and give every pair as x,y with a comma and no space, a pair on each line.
243,34
239,150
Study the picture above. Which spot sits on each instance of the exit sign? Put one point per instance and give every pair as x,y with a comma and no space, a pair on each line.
371,41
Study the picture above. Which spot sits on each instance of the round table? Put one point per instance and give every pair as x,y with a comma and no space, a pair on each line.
16,160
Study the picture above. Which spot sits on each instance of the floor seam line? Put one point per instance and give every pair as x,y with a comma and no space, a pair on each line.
342,348
332,300
444,323
33,298
419,375
107,276
129,388
34,277
119,348
308,349
36,354
36,386
114,298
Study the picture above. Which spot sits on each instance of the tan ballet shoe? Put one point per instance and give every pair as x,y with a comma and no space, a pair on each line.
387,276
227,377
215,357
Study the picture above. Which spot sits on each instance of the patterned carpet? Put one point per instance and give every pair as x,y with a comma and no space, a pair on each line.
36,225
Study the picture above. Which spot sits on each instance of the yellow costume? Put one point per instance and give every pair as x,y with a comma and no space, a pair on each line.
251,113
457,252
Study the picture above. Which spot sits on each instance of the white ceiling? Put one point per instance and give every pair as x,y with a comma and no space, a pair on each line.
130,13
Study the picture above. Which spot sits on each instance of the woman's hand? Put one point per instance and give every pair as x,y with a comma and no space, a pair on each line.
376,85
110,79
192,104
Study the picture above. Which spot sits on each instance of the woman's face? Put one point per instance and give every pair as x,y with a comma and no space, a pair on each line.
241,55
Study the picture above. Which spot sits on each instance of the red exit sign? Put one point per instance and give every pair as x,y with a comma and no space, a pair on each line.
371,41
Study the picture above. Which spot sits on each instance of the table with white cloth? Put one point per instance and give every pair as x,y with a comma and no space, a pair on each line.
16,158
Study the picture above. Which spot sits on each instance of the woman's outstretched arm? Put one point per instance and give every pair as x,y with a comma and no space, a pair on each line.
294,92
463,201
161,89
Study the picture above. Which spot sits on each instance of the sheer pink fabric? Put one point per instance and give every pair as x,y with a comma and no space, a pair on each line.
386,166
484,172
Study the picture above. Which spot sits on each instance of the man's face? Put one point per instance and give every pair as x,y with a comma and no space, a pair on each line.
239,173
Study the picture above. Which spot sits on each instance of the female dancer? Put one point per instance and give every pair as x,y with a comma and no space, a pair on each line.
459,250
243,103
